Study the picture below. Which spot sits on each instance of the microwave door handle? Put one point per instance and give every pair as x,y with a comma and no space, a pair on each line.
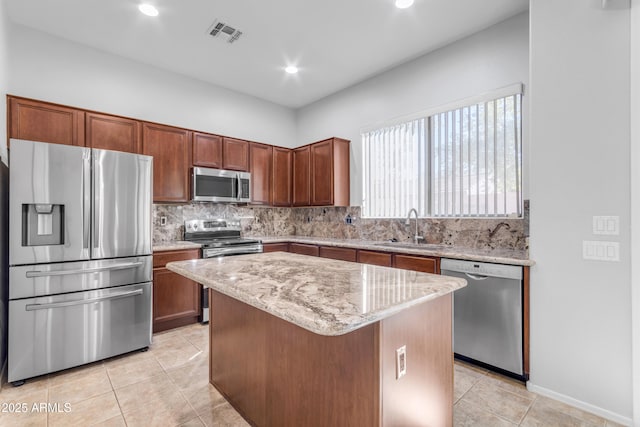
239,187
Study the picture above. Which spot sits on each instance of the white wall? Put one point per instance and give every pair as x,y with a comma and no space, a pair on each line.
635,205
488,60
56,70
579,158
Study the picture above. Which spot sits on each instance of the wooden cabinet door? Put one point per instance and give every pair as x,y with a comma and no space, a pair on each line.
304,249
375,258
113,133
260,160
44,122
301,162
175,298
275,247
171,151
207,150
417,263
281,182
235,154
322,173
343,254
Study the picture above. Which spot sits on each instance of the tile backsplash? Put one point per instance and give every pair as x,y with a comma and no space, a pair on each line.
479,233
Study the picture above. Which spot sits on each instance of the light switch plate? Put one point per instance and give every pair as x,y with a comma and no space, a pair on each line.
600,251
606,225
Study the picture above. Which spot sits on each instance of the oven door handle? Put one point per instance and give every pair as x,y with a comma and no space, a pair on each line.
33,307
212,253
120,266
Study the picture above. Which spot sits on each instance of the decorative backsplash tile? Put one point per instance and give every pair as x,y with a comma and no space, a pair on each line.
479,233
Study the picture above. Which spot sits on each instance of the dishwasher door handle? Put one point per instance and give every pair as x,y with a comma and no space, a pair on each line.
476,276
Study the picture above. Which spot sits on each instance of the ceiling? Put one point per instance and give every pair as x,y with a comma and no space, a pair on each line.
334,43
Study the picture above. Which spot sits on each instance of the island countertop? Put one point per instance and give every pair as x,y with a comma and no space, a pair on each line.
325,296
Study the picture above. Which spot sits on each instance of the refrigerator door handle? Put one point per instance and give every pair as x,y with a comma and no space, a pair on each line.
121,266
32,307
86,200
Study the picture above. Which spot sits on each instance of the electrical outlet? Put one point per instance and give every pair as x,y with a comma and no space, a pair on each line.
401,362
163,220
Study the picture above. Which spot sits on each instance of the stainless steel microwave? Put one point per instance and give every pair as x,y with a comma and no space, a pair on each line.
217,185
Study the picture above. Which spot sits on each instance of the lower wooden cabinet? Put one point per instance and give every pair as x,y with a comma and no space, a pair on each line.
417,263
343,254
375,258
275,247
304,249
176,299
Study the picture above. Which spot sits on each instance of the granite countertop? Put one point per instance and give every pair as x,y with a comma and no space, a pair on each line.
324,296
175,245
499,256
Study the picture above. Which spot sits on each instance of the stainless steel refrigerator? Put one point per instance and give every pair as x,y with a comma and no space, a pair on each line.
80,264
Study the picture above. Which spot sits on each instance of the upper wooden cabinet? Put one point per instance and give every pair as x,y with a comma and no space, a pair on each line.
330,172
235,154
300,190
45,122
260,167
281,177
113,133
171,151
207,150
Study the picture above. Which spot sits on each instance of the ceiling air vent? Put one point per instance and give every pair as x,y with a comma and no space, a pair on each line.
220,30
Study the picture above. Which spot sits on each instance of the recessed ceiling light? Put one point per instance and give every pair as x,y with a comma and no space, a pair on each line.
403,4
291,69
148,9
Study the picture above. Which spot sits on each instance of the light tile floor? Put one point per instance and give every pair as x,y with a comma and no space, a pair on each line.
169,386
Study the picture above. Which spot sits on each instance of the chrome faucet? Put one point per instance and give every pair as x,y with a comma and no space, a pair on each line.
416,237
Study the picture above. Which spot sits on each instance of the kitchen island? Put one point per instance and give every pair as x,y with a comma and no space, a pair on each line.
298,340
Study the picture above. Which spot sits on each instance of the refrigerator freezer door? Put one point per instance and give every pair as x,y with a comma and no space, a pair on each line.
121,200
51,333
49,194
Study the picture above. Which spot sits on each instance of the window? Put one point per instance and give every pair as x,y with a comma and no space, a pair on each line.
465,161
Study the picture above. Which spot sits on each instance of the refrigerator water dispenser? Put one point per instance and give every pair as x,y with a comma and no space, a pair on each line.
42,224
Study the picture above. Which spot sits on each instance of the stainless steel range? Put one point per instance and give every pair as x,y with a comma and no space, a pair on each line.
218,237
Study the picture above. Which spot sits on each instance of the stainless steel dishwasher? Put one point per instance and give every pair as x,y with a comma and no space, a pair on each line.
487,314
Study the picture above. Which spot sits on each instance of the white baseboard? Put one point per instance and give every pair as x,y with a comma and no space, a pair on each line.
612,416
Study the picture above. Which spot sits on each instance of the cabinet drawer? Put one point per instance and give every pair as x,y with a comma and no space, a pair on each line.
275,247
344,254
417,263
160,259
375,258
301,248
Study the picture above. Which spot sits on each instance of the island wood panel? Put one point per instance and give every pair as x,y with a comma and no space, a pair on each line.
304,249
176,299
277,374
424,396
171,151
344,254
275,247
281,181
301,195
235,154
108,132
260,158
207,150
375,258
45,122
417,263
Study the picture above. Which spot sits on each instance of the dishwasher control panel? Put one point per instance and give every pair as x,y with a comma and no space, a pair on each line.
482,268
